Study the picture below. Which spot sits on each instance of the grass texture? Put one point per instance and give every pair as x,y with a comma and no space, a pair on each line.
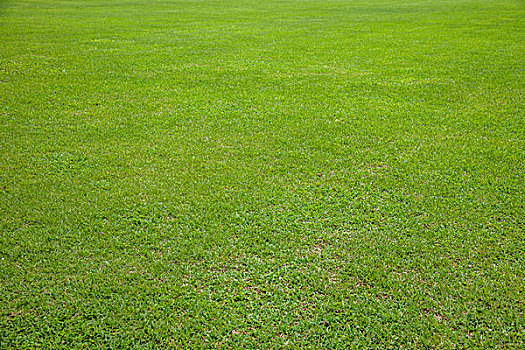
262,174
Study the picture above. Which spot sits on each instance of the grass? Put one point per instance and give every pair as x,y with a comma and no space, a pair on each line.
262,174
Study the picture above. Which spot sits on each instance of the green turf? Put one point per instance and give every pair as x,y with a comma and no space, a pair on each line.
262,174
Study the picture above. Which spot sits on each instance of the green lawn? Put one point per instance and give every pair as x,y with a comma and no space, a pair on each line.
262,174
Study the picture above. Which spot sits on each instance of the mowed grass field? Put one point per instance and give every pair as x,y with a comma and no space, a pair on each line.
262,174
